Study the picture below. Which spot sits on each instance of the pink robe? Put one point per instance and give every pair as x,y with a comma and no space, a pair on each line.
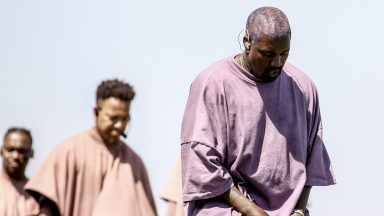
172,190
84,177
14,200
263,138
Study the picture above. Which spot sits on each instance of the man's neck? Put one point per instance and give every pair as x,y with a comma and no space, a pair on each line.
17,177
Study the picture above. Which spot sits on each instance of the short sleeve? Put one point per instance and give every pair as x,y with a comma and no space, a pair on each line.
204,142
172,188
55,177
204,176
318,164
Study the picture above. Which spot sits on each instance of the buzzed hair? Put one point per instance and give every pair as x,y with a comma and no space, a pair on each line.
115,88
269,21
19,130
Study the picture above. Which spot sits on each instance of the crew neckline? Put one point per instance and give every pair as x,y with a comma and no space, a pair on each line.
244,74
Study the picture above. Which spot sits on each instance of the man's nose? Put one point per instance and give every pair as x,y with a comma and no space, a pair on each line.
119,124
17,155
277,61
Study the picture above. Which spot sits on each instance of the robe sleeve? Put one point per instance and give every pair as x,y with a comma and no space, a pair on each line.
204,141
318,165
55,178
148,191
172,188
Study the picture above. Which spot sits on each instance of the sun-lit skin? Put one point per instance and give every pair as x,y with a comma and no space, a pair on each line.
16,151
266,57
112,117
268,37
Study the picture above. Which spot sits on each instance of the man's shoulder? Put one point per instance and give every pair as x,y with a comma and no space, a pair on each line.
296,73
3,178
298,76
214,75
215,71
74,141
130,155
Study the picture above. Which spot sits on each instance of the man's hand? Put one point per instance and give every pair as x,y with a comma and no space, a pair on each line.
253,211
295,214
303,200
259,212
298,212
47,207
242,204
45,211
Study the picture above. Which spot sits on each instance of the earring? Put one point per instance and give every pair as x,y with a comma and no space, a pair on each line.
247,46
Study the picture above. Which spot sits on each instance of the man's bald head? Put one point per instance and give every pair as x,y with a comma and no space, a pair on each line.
269,21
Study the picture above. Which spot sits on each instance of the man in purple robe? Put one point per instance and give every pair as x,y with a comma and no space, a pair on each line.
252,132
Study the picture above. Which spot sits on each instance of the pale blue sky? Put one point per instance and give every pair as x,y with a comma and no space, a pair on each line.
54,53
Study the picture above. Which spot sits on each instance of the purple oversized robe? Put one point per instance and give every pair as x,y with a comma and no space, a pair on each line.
263,138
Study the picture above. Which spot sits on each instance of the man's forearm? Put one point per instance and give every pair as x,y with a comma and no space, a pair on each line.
171,208
303,200
242,204
45,211
47,207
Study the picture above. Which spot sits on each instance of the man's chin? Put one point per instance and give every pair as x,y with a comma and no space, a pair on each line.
271,75
268,79
113,141
15,172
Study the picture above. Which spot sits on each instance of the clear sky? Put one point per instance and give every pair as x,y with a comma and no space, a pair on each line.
53,54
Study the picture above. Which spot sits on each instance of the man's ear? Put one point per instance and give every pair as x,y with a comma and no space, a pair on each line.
246,43
95,112
31,153
1,151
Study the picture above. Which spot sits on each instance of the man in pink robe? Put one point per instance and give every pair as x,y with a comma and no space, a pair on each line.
252,133
16,151
94,173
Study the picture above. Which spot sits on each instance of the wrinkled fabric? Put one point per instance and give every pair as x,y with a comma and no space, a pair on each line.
172,190
84,176
263,138
14,200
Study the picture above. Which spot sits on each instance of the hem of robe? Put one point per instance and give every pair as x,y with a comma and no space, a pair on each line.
170,198
210,194
320,182
173,188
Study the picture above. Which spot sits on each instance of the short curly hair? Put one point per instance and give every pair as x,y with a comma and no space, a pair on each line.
269,21
19,130
115,88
